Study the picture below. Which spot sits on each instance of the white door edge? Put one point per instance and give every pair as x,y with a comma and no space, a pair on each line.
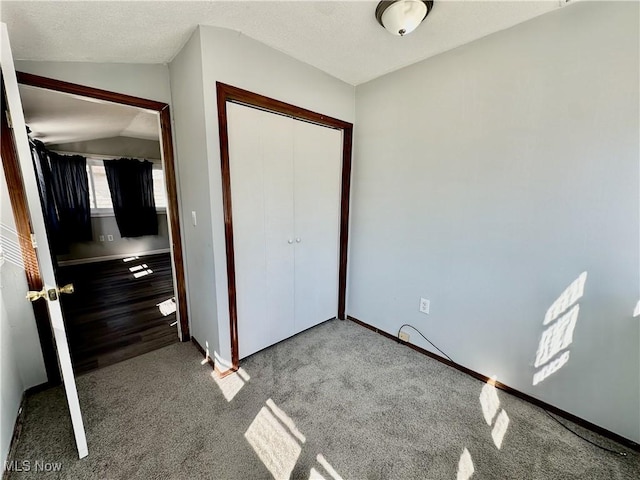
37,219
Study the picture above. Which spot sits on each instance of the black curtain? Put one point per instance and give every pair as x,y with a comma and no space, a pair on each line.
71,192
131,187
40,156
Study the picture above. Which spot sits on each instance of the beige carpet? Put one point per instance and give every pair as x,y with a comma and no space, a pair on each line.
336,401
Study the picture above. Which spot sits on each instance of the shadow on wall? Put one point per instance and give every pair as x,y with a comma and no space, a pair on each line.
562,317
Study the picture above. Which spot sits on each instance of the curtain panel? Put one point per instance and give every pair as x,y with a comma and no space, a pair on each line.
131,186
70,185
40,157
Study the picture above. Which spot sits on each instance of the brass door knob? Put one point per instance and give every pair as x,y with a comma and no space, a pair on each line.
33,296
68,289
52,294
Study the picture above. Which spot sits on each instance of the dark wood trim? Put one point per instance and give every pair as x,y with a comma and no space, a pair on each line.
19,206
245,97
227,93
516,393
38,388
83,90
169,168
344,220
223,373
219,373
223,134
174,219
17,430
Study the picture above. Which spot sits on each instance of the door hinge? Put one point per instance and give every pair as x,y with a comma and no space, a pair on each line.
34,244
7,114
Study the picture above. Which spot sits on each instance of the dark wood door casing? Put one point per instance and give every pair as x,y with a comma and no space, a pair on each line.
227,93
166,135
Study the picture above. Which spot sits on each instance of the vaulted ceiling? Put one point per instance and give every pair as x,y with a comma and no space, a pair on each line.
341,38
56,117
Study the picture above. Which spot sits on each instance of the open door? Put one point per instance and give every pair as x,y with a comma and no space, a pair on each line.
21,180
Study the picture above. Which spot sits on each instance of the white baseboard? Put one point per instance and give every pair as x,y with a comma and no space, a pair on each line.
80,261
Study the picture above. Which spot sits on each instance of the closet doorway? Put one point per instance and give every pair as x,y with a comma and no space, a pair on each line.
122,251
286,175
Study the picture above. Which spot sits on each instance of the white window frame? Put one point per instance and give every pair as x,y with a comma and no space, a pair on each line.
94,211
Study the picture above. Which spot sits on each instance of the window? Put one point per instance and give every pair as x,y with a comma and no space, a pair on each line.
159,191
100,196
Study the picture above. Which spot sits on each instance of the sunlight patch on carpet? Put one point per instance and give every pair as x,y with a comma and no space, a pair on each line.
286,420
328,468
274,445
315,475
490,402
231,384
500,428
465,466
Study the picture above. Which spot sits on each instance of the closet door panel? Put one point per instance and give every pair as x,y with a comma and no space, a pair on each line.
317,180
247,177
277,147
260,162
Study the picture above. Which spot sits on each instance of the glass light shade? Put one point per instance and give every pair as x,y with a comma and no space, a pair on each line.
404,16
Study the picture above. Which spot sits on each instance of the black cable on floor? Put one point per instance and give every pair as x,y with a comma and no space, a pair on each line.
622,454
430,342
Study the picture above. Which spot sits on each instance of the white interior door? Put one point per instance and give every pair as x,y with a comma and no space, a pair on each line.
45,263
261,171
318,166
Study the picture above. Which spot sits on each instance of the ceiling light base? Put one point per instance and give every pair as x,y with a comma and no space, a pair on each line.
400,17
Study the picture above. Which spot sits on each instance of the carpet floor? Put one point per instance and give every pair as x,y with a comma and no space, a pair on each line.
337,401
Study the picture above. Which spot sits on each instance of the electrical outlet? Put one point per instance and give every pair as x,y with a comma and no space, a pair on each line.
101,238
424,305
404,336
110,238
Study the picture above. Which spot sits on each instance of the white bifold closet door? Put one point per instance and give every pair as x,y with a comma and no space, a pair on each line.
285,194
318,166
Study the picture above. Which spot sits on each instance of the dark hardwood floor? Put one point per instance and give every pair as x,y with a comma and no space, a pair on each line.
113,315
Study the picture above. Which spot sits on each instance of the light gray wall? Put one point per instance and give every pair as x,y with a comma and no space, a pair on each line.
232,58
189,132
487,179
150,81
20,355
119,246
117,146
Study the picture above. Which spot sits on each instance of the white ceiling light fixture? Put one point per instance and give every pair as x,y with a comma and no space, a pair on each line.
400,17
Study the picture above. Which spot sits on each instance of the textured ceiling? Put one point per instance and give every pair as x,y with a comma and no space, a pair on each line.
338,37
56,117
